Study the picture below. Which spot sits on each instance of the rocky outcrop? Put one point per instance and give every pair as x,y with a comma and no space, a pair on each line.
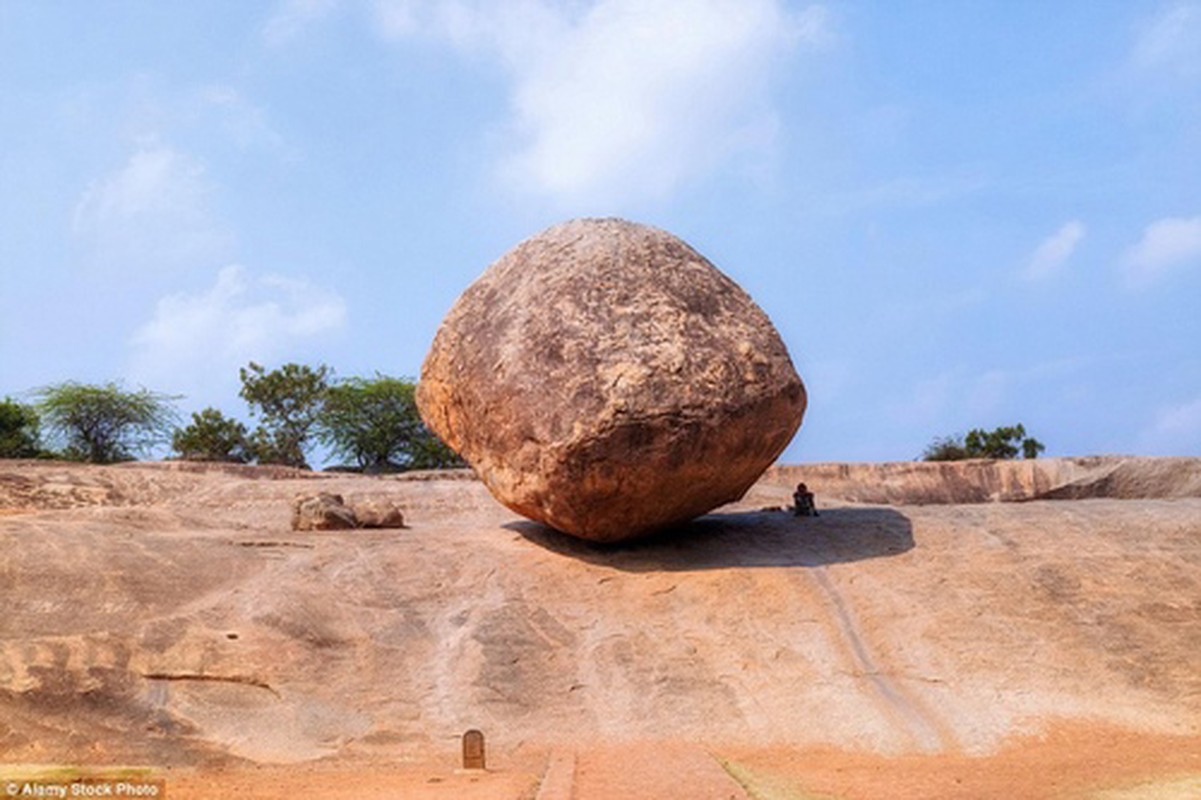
604,378
187,630
376,513
323,511
987,480
326,511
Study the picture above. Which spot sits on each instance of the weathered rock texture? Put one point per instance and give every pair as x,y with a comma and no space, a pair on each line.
986,480
373,513
170,618
326,511
323,511
604,378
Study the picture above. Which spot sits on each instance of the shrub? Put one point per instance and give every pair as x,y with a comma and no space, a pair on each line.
1002,443
212,437
105,423
947,448
19,434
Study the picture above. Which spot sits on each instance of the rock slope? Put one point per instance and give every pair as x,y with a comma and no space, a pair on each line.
985,480
176,619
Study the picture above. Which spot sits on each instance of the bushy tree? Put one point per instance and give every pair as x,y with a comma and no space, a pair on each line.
105,423
1032,447
19,430
1002,443
946,448
287,402
430,452
374,423
212,436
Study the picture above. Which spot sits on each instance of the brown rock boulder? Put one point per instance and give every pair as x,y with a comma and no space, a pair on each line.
375,513
323,511
604,378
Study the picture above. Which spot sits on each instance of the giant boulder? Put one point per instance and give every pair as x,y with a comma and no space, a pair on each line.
605,379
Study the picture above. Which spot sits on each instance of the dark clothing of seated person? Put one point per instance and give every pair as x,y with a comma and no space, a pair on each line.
802,502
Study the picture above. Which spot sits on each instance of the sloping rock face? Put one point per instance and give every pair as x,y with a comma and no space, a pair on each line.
605,379
189,626
988,480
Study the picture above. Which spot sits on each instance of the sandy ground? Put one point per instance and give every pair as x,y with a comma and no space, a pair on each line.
167,617
1067,762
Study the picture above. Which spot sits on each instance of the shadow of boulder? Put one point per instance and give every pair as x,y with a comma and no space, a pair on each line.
744,539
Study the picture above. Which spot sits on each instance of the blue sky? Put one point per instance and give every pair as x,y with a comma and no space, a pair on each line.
958,214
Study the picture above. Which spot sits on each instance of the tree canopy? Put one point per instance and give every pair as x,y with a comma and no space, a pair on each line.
1003,443
288,403
105,423
19,430
212,436
371,423
374,423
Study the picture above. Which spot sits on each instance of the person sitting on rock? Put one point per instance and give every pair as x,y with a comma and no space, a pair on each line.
802,502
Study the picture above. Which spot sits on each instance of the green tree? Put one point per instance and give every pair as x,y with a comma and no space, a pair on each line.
1031,447
374,423
212,436
288,403
946,448
1002,443
430,452
105,423
19,430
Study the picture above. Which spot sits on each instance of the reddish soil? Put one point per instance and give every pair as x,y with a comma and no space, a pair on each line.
1070,761
1073,760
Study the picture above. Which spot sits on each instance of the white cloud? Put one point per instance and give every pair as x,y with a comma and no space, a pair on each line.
1171,41
1050,256
1175,430
291,17
1165,244
623,99
195,340
154,209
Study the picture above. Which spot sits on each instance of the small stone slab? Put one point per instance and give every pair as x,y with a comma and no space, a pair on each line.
473,750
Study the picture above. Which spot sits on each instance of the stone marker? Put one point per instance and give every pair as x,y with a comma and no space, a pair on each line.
607,380
473,750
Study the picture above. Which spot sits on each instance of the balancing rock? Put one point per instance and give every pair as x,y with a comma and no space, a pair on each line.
605,379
